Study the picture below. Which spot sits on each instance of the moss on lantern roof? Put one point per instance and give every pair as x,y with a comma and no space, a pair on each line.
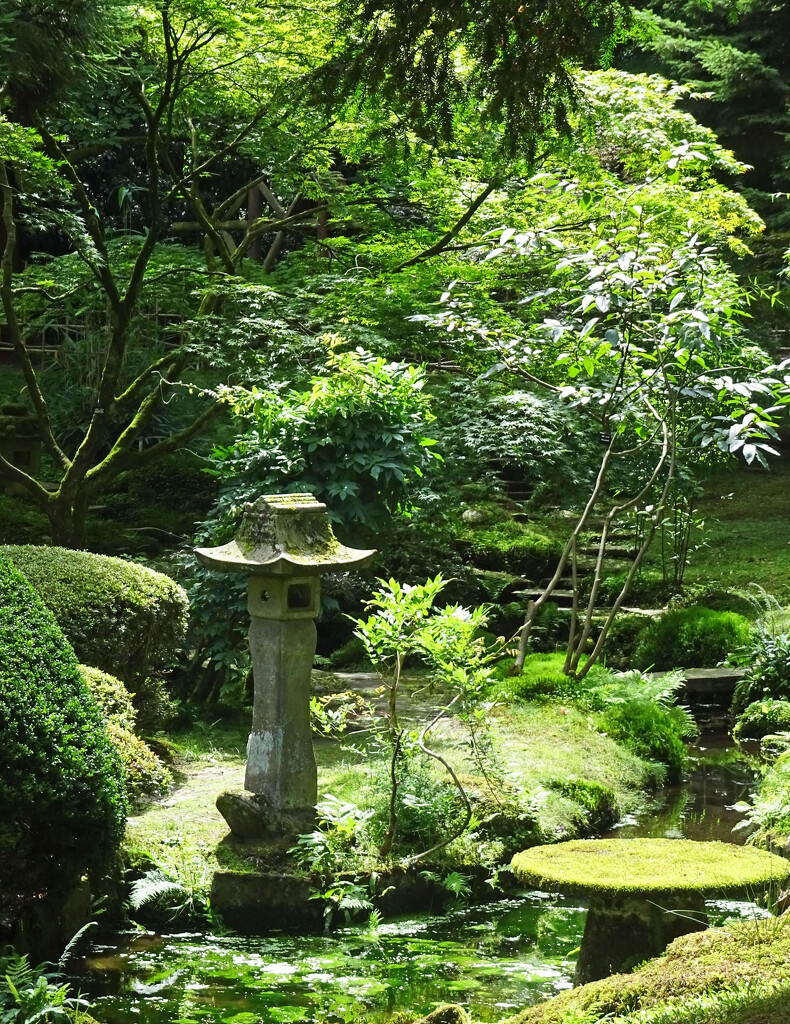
280,532
590,867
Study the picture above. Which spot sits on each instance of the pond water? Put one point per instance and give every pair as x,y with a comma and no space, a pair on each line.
708,805
493,958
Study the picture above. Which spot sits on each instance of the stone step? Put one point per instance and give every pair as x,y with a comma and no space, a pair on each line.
562,598
611,552
721,680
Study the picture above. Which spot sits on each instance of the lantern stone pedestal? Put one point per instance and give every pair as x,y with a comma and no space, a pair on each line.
284,543
280,758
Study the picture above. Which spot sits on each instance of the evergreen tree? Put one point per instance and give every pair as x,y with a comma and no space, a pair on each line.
739,54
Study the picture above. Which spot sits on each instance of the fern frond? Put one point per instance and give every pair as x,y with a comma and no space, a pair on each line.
151,888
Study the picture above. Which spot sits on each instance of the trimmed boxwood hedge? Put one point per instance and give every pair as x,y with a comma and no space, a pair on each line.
118,616
62,797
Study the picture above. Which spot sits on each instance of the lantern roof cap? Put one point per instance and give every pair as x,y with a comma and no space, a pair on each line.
284,535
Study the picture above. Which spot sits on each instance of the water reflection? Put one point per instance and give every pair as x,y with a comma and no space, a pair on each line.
708,805
493,958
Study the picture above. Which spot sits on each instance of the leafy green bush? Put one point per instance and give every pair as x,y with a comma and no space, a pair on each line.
650,730
761,718
114,700
639,711
144,774
20,523
622,639
689,638
121,617
768,657
771,808
62,801
355,439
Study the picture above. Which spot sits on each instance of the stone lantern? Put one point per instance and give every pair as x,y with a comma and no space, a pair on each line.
284,543
20,441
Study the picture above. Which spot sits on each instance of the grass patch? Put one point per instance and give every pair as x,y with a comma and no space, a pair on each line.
746,535
547,742
572,777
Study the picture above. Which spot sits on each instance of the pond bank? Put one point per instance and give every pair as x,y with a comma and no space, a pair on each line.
577,782
495,958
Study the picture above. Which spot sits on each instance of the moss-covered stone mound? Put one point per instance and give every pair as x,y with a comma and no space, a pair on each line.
590,867
643,893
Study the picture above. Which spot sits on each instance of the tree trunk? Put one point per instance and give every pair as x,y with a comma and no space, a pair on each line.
67,515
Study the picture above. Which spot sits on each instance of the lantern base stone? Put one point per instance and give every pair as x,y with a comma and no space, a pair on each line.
251,817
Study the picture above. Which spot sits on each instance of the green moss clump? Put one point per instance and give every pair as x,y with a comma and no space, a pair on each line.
542,676
648,866
761,718
691,638
62,799
122,617
512,546
754,1003
702,962
597,803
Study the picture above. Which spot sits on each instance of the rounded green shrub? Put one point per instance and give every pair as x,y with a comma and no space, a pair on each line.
690,638
119,616
114,700
62,799
144,774
621,640
761,718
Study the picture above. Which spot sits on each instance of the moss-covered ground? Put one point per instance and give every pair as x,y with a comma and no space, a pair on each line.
695,965
562,764
739,546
